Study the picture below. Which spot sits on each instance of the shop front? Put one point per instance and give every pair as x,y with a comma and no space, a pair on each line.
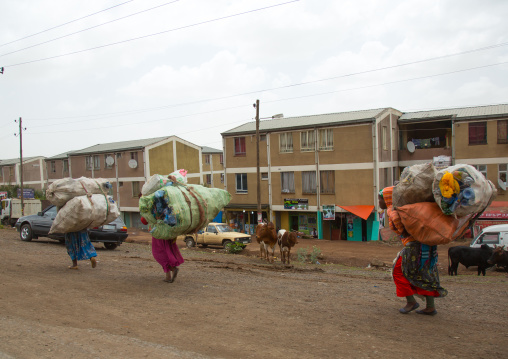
297,217
351,223
496,213
243,218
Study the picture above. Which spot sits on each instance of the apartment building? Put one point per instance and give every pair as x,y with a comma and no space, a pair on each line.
336,162
213,167
34,172
127,165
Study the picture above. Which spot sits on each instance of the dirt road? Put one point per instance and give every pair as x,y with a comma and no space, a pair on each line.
235,306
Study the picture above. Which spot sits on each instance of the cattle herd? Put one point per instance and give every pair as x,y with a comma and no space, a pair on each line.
483,258
268,238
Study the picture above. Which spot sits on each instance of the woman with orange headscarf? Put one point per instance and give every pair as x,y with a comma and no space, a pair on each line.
415,270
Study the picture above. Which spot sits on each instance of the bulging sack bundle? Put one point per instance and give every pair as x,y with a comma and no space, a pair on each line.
415,185
156,181
179,209
83,212
462,190
427,224
62,190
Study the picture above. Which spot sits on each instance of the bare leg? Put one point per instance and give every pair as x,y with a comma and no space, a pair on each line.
93,261
168,276
74,264
175,273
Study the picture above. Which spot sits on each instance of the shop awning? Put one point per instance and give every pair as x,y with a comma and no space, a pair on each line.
362,211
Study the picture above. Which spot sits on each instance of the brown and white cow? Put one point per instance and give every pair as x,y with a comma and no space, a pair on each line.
267,238
286,241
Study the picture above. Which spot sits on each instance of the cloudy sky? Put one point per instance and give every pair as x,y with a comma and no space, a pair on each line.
80,73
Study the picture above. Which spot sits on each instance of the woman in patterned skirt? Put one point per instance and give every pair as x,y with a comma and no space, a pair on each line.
79,247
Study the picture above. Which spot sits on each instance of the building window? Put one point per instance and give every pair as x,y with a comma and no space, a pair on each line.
120,184
135,189
96,163
286,142
482,169
53,167
241,182
65,165
384,138
106,165
119,155
307,141
264,175
222,178
240,146
207,159
478,133
208,179
221,159
327,182
262,138
503,172
502,131
88,163
393,140
326,139
309,183
287,182
134,156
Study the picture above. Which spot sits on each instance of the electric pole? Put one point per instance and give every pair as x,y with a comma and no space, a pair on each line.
260,215
21,129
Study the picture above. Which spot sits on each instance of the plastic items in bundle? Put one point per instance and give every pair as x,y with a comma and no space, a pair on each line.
461,190
427,223
415,185
63,190
157,181
83,212
180,209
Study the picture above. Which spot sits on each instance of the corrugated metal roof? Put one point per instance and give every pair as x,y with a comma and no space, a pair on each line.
460,113
13,161
59,156
285,123
118,146
205,149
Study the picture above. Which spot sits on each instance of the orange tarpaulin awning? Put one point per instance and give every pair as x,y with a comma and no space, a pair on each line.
362,211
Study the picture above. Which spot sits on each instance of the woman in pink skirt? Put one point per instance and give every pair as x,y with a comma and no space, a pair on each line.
167,254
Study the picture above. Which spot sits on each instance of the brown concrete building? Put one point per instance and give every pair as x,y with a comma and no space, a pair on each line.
34,172
335,161
213,167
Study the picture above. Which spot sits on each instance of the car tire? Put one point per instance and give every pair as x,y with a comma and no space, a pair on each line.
110,246
189,242
25,233
226,243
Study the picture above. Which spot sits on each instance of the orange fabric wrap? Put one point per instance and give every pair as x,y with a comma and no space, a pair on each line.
427,223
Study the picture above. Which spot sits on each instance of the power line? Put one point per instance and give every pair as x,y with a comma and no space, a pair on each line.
69,22
89,28
154,34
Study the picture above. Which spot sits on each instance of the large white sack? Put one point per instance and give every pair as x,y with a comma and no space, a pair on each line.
415,185
475,192
156,182
62,190
85,212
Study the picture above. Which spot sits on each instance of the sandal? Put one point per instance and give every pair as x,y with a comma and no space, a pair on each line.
434,312
406,311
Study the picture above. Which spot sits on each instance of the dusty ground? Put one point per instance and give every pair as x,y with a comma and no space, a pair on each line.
236,306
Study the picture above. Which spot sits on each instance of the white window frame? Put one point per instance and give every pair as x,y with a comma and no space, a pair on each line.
208,179
241,186
88,163
384,134
307,141
326,139
207,159
286,142
96,162
482,169
53,166
135,189
502,170
264,176
394,134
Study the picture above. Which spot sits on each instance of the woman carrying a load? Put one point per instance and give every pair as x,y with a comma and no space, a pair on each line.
79,247
415,270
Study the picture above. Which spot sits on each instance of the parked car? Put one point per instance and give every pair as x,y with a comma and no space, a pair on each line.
218,234
496,235
38,225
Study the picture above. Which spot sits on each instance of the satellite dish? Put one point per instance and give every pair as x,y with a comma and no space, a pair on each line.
110,160
501,184
411,146
133,163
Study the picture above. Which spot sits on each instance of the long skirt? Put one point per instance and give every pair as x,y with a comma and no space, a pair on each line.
79,246
166,253
410,279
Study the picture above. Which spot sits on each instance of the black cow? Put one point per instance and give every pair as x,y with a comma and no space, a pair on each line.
469,257
500,257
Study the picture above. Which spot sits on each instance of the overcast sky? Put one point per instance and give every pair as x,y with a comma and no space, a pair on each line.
137,69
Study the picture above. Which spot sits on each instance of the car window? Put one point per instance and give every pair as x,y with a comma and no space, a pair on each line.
50,212
211,229
489,238
224,228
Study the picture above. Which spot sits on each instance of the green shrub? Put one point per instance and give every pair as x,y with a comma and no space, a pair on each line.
235,247
315,254
301,255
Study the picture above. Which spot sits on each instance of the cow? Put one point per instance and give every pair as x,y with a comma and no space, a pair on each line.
500,257
468,257
286,241
267,238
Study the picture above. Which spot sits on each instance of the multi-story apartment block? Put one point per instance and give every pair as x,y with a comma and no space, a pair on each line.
340,161
337,161
34,172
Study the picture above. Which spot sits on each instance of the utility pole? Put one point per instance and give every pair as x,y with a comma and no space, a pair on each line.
260,215
21,129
